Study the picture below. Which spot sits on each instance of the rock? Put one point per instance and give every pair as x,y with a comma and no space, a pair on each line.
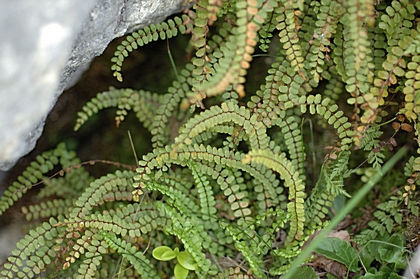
43,45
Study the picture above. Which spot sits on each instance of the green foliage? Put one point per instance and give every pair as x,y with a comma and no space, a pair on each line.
340,251
184,265
228,179
306,272
147,35
388,251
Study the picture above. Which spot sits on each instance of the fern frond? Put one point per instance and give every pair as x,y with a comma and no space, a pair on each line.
88,268
105,189
47,209
358,52
388,220
280,164
85,253
288,25
327,16
336,172
253,249
268,190
199,40
266,31
329,185
161,135
207,200
34,252
232,68
68,186
293,140
153,32
44,163
334,88
329,111
174,197
396,30
318,205
281,79
234,273
412,107
192,236
227,112
140,262
143,103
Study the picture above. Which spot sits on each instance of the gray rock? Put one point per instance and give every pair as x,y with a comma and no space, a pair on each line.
43,44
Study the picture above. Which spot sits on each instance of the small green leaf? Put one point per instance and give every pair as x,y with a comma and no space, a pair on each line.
164,253
366,257
186,261
391,251
305,272
180,271
340,251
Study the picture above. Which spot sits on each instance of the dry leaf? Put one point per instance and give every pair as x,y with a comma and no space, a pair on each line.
396,126
343,235
406,127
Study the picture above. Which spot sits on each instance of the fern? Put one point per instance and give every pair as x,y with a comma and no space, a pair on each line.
136,258
388,219
227,175
295,185
149,34
44,164
143,103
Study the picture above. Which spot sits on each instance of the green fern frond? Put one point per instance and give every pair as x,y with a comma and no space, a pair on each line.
232,68
266,31
47,209
44,164
317,205
161,135
86,253
199,40
34,252
334,89
329,110
329,185
414,47
68,186
358,59
227,112
293,140
388,220
181,154
207,200
327,17
226,179
192,236
295,206
143,103
398,34
288,26
105,189
252,249
173,196
153,32
336,172
139,261
412,108
89,266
